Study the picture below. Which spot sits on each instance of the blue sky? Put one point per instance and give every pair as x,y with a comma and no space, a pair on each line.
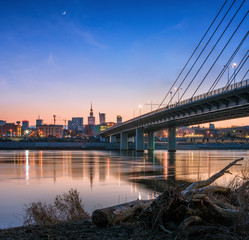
118,54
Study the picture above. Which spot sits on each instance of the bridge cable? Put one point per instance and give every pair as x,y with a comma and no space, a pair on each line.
244,77
214,84
193,53
214,48
200,55
219,56
226,65
240,66
232,78
234,74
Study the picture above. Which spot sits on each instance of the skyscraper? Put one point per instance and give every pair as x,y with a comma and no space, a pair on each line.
39,122
119,119
78,123
101,118
25,124
91,118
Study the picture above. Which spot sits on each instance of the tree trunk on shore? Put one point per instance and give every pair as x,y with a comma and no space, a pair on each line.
119,213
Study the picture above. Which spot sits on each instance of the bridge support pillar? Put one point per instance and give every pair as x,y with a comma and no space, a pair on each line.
151,141
113,139
124,141
172,139
102,139
139,139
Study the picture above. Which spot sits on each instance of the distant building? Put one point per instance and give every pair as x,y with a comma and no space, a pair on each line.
39,122
10,130
70,124
2,122
101,118
75,127
50,131
91,118
211,126
25,124
106,125
77,123
185,132
119,119
89,130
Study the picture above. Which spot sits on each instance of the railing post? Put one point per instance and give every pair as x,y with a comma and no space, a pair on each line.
172,139
139,139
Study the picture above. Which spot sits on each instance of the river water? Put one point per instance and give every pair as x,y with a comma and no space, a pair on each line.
103,178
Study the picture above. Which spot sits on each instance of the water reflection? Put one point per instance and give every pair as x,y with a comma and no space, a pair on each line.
27,165
103,178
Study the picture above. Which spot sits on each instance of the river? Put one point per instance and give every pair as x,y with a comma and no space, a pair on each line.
103,178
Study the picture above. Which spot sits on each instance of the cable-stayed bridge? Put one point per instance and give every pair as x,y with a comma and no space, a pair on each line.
228,31
219,105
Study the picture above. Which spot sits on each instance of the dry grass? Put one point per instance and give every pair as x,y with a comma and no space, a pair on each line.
66,207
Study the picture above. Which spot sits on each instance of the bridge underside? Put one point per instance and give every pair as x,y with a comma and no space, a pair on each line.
228,105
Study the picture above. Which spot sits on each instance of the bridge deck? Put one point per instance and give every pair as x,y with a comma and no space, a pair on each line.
220,104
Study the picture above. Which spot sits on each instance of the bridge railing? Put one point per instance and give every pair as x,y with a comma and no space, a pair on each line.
189,100
204,95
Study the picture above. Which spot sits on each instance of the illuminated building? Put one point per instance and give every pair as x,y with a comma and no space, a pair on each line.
50,131
101,118
10,130
185,132
105,126
119,119
75,126
91,118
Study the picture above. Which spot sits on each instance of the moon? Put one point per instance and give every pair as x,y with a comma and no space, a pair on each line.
64,13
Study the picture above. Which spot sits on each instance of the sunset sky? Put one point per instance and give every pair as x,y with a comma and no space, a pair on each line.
58,56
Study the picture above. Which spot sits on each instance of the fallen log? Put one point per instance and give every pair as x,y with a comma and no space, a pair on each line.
119,213
208,210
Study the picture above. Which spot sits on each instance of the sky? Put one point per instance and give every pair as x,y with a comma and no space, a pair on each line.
58,56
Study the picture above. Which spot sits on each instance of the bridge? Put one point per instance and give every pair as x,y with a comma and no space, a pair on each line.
228,102
220,104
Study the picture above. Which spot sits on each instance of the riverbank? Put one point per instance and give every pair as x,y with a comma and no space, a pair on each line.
81,230
12,145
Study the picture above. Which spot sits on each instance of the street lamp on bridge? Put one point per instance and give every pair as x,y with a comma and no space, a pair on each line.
178,92
234,67
228,74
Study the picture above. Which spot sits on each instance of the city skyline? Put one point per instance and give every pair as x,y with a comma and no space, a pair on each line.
58,56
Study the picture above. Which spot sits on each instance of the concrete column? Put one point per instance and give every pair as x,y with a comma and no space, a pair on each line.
139,139
151,141
102,139
112,139
172,139
124,141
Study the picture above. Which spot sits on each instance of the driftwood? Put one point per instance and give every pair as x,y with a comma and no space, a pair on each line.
119,213
200,185
180,210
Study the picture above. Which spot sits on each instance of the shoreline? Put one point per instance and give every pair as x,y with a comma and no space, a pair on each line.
80,230
71,146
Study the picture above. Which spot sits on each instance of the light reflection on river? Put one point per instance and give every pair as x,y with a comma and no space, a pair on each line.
103,178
